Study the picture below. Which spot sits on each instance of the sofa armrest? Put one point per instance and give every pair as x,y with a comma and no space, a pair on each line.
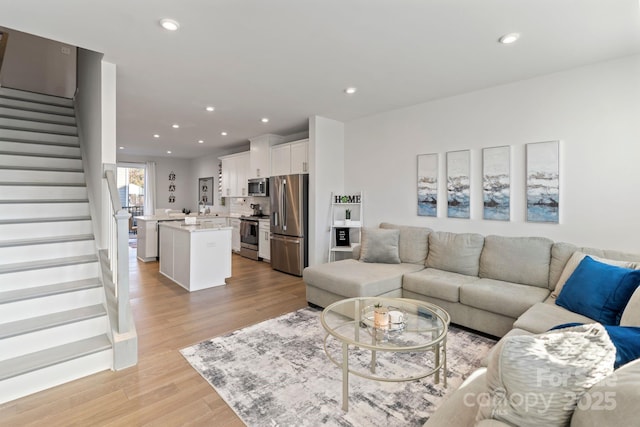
460,407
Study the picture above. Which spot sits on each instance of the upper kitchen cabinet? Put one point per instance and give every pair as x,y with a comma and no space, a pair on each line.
260,155
235,171
290,158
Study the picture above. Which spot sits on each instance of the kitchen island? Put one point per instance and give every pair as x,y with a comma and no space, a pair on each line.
195,256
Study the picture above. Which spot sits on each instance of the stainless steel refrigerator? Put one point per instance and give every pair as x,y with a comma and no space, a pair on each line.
289,222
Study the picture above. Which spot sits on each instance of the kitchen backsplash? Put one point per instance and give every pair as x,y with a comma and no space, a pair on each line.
242,205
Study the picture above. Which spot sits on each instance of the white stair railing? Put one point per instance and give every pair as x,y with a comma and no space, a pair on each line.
118,253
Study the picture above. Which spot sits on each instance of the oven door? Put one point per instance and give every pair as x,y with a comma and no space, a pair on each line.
249,234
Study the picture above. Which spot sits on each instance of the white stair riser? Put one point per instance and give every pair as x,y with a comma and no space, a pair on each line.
42,379
24,192
41,162
52,337
23,135
36,116
26,147
49,276
43,210
34,106
44,229
37,126
25,309
7,175
35,97
15,254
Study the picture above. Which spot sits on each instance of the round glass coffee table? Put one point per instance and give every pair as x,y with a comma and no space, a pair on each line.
417,329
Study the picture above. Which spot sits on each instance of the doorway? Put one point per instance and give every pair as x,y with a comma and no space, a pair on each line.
130,180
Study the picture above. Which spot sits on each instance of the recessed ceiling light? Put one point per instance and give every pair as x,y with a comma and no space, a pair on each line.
122,148
200,141
169,24
175,126
223,133
509,38
155,135
264,120
350,90
168,151
209,108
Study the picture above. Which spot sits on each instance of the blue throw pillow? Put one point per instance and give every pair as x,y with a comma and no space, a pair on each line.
599,291
626,339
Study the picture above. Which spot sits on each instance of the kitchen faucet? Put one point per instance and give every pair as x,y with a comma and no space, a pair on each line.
201,202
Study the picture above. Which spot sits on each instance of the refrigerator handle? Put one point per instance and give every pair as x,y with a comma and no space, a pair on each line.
275,219
284,204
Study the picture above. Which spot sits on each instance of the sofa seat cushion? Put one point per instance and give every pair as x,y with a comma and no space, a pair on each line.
436,283
351,278
455,252
522,260
544,316
496,296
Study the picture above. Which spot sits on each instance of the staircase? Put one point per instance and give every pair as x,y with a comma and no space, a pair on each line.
54,326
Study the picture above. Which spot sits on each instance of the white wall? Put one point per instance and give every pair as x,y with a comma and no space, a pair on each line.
326,166
186,183
38,65
89,115
204,167
593,110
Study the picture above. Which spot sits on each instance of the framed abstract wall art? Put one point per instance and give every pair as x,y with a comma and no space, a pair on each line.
496,183
458,171
543,181
428,185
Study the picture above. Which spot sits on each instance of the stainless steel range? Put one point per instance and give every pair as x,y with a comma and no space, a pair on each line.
249,229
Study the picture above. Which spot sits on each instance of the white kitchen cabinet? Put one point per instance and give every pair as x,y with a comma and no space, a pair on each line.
147,249
260,155
264,243
195,256
280,160
300,156
235,169
235,234
290,158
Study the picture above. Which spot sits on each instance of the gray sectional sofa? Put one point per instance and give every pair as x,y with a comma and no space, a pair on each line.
492,284
503,286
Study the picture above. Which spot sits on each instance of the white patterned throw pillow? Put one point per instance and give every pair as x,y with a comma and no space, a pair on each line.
537,380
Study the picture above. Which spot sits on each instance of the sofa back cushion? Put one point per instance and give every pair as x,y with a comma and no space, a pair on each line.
414,242
455,252
523,260
562,252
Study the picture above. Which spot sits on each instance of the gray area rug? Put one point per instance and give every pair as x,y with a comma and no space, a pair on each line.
276,373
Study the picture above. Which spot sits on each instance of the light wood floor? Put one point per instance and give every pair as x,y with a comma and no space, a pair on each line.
163,389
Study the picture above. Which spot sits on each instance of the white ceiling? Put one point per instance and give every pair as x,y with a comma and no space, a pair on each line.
291,59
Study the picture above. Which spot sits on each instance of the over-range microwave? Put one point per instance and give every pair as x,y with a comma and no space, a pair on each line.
258,187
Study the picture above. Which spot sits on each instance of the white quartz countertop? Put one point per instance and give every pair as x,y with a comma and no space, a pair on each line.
194,228
177,217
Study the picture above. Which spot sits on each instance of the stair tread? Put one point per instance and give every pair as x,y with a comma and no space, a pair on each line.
48,290
48,263
46,240
43,184
35,97
32,201
37,126
47,219
41,168
34,324
53,118
36,107
47,155
42,359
